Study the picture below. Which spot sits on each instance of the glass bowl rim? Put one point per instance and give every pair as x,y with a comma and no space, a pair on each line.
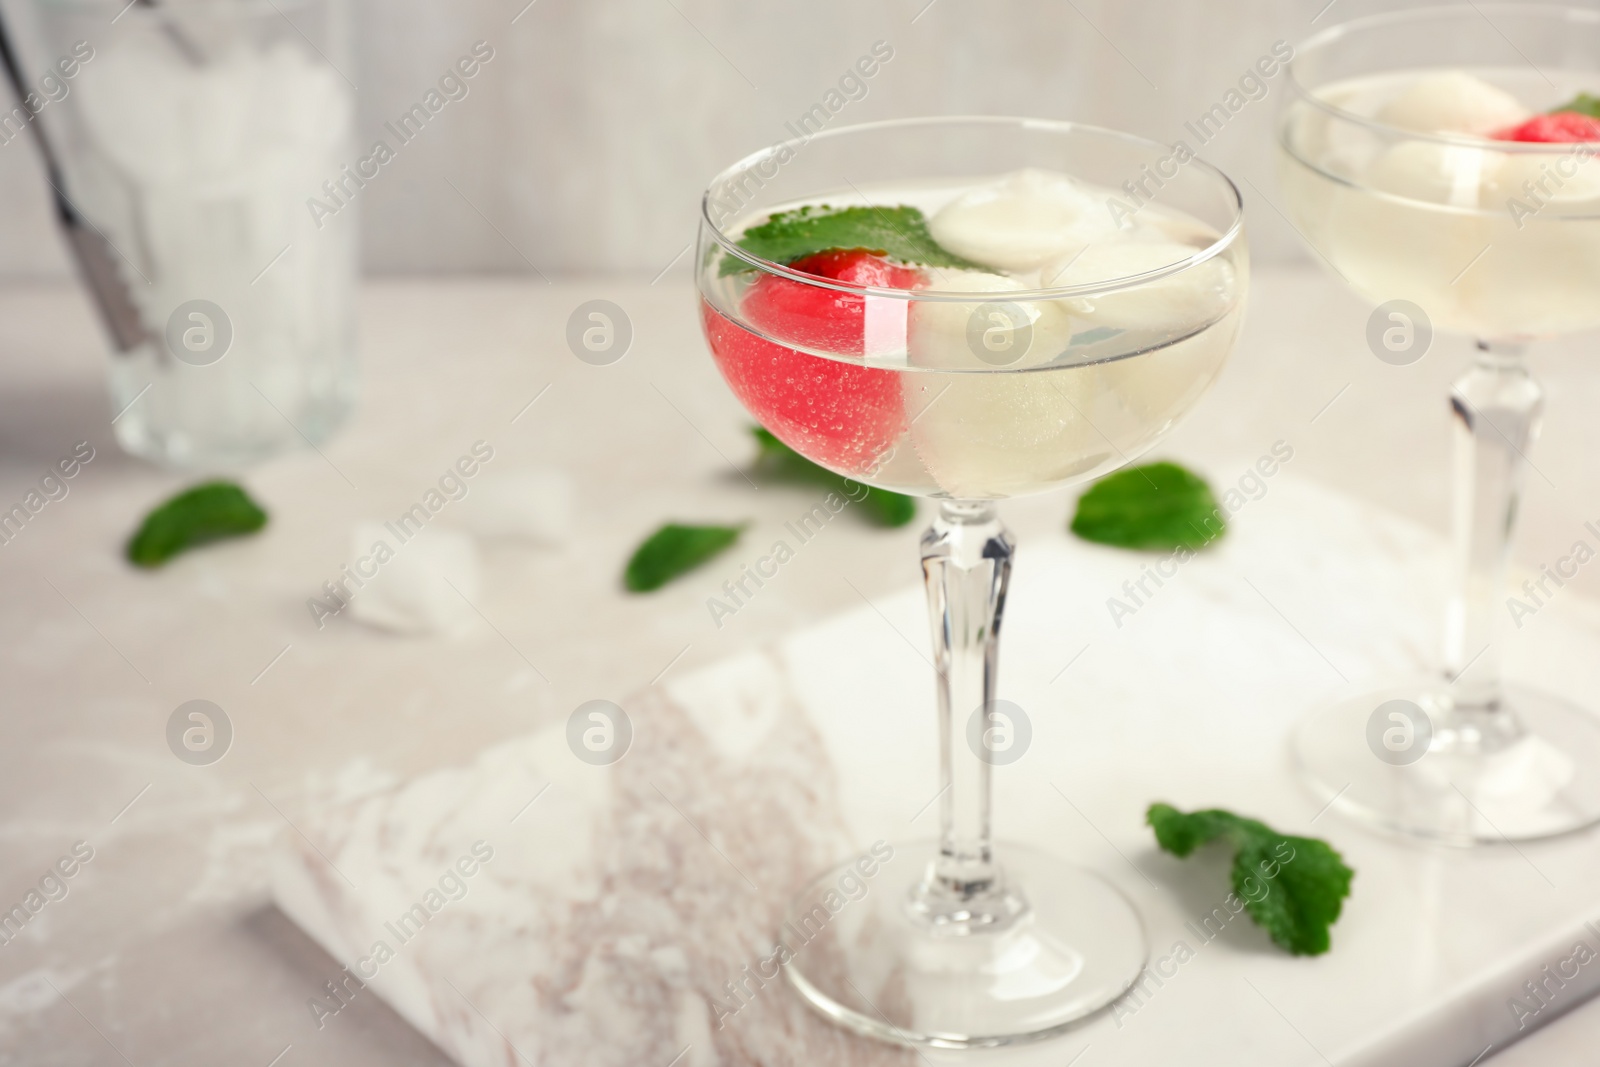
729,246
1333,34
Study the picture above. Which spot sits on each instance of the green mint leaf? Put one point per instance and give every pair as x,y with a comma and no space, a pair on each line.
898,232
1154,506
1293,887
1583,104
207,512
888,509
675,550
782,463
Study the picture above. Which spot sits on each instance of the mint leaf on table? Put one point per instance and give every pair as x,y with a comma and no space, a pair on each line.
898,232
674,550
208,512
1154,506
1583,104
782,463
1293,887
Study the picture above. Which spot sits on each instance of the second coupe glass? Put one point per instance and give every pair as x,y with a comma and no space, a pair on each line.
1405,164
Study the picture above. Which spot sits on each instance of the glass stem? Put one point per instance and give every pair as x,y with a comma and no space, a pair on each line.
1496,407
966,564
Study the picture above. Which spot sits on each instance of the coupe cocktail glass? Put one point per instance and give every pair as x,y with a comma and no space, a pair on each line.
1392,171
1113,291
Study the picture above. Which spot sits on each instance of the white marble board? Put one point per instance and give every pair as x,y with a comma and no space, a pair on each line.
620,901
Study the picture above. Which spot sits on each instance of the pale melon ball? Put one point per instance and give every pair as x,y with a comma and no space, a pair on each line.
1452,101
1143,395
1022,221
1565,179
1542,275
997,434
1177,302
1005,432
996,332
1434,173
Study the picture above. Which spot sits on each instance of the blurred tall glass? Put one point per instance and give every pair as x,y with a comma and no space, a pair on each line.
199,138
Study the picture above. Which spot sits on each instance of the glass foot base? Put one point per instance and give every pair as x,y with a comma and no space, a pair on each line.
875,966
1406,760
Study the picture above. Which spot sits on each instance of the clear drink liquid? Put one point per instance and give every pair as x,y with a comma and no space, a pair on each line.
1490,238
998,394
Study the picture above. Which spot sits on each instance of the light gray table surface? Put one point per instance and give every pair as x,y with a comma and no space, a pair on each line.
165,950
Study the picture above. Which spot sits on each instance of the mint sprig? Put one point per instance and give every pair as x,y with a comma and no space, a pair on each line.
897,232
782,463
1154,507
674,550
1293,887
208,512
1583,104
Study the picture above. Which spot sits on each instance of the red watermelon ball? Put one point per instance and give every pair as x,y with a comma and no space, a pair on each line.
839,414
1561,127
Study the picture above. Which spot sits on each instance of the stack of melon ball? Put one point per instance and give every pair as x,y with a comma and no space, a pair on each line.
1458,173
976,434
